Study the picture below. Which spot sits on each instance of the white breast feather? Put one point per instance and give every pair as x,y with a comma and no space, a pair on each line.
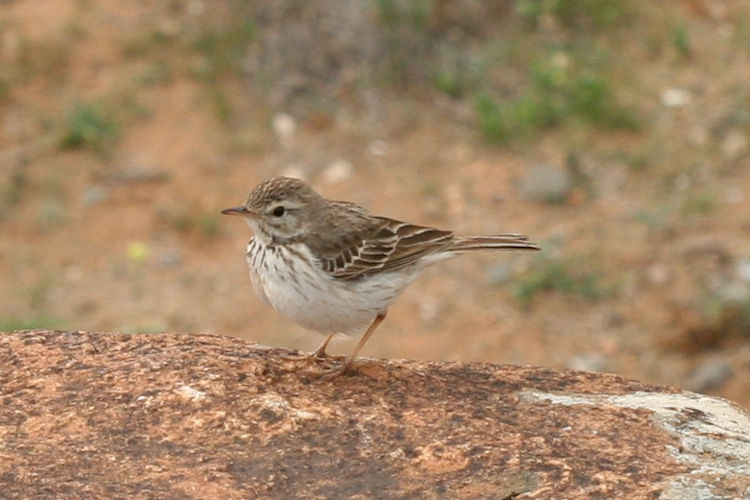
314,300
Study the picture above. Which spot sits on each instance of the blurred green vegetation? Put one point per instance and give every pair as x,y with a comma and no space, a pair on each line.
223,48
205,224
523,67
557,81
570,276
554,97
598,14
681,40
16,184
32,322
89,125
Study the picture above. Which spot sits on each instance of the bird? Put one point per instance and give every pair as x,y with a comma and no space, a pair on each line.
334,268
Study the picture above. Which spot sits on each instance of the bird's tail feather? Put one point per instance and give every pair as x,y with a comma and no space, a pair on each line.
508,240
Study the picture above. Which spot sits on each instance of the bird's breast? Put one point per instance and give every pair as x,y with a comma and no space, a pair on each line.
289,279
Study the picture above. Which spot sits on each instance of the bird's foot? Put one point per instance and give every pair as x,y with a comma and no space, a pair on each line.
329,372
302,356
305,359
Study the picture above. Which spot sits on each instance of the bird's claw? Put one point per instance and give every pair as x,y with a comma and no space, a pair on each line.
329,372
304,360
301,356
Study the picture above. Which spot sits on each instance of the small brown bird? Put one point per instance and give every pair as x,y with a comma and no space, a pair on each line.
332,267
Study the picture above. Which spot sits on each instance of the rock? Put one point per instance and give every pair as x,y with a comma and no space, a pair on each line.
674,97
94,195
547,183
734,144
284,127
175,416
591,362
659,273
743,269
428,309
500,274
170,257
52,213
338,171
709,374
294,170
378,147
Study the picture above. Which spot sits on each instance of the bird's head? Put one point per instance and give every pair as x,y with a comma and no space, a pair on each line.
279,208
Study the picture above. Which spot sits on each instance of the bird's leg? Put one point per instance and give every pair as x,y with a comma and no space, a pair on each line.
346,366
309,357
320,352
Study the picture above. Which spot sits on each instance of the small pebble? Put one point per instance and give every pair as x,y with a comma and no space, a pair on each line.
591,362
284,126
428,310
170,258
94,195
658,273
499,274
709,374
378,148
190,393
674,97
547,183
337,171
137,169
743,269
294,171
734,144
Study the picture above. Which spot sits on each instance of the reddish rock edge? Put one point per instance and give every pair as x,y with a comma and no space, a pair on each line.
101,415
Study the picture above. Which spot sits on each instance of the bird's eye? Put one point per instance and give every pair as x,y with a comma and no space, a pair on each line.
278,211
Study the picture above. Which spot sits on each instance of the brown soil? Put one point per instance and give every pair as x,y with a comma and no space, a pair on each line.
129,238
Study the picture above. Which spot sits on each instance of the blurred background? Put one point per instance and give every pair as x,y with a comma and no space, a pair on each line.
616,133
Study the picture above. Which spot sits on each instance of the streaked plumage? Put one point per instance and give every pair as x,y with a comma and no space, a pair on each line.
332,267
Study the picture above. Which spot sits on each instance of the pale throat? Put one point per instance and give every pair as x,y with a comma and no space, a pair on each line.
261,236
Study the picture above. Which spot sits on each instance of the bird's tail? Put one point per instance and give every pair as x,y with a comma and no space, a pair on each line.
508,240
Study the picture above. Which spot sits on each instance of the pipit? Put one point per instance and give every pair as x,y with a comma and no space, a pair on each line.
332,267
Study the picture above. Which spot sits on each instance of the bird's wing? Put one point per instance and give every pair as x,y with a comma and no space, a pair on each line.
386,245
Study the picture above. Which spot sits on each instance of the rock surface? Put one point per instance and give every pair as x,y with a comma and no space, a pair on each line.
95,415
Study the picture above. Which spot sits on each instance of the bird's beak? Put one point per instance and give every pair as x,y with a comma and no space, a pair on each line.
241,210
